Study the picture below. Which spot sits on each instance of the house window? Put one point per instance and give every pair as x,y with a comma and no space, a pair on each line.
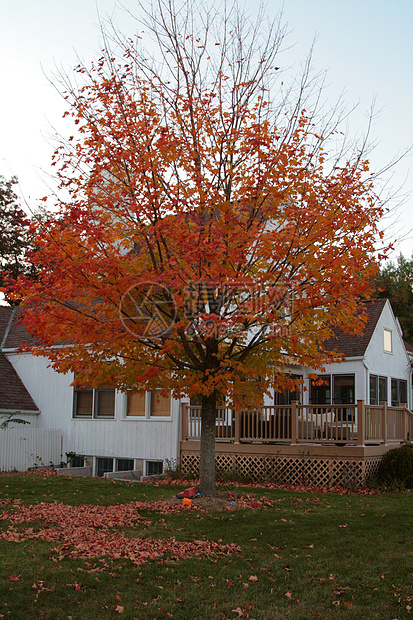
398,392
103,465
149,405
124,465
83,403
335,390
286,396
154,468
136,405
343,389
374,390
94,403
378,389
383,389
104,403
387,341
160,405
321,394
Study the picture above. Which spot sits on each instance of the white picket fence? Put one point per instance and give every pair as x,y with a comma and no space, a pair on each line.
22,447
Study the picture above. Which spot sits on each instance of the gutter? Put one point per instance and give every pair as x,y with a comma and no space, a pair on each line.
35,412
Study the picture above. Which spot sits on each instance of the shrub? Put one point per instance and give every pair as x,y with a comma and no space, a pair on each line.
172,469
396,467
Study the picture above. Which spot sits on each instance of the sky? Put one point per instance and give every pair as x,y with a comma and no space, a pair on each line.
366,47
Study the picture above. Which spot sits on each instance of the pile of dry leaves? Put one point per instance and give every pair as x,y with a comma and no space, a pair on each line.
89,531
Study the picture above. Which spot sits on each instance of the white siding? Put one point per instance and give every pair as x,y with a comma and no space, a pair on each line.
394,365
376,361
21,448
150,439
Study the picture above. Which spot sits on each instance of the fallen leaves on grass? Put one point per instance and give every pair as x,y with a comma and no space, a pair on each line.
42,471
248,501
87,531
242,613
302,488
40,587
297,488
289,596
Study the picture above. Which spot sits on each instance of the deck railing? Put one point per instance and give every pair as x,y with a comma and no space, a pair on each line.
327,424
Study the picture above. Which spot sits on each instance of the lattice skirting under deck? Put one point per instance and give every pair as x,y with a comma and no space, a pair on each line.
304,470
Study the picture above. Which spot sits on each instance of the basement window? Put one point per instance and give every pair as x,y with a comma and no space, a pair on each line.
103,465
154,468
124,464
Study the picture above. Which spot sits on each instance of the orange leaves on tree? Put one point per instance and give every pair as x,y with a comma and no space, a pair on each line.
197,190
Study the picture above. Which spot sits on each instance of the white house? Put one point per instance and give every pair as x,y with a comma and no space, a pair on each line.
117,433
377,365
114,432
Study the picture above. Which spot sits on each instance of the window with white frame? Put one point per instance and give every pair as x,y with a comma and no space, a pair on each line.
286,396
89,403
398,392
335,390
160,404
124,464
103,466
153,404
154,468
378,389
136,405
332,390
387,341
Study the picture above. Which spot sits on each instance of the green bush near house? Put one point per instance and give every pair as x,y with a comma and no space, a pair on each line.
7,419
396,467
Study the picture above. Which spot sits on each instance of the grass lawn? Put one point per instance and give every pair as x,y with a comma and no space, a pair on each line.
299,555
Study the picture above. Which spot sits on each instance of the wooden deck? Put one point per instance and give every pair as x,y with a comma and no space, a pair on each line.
318,442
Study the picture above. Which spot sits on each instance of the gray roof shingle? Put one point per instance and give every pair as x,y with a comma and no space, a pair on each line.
13,394
355,346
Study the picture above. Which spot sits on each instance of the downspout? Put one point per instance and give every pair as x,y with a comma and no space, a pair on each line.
179,433
366,384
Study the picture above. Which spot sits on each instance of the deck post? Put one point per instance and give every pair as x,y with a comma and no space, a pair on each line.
184,421
406,422
361,423
237,430
294,421
383,405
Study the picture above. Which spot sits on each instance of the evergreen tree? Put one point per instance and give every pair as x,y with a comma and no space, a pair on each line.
395,282
14,237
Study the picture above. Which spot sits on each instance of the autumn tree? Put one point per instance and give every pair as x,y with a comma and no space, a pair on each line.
215,222
394,281
15,239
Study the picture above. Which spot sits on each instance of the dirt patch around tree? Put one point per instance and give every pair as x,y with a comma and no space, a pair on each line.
225,500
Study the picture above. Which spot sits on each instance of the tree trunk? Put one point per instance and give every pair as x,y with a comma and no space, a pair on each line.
207,456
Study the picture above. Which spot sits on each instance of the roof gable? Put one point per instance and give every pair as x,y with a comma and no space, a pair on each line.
5,315
13,332
356,346
13,394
